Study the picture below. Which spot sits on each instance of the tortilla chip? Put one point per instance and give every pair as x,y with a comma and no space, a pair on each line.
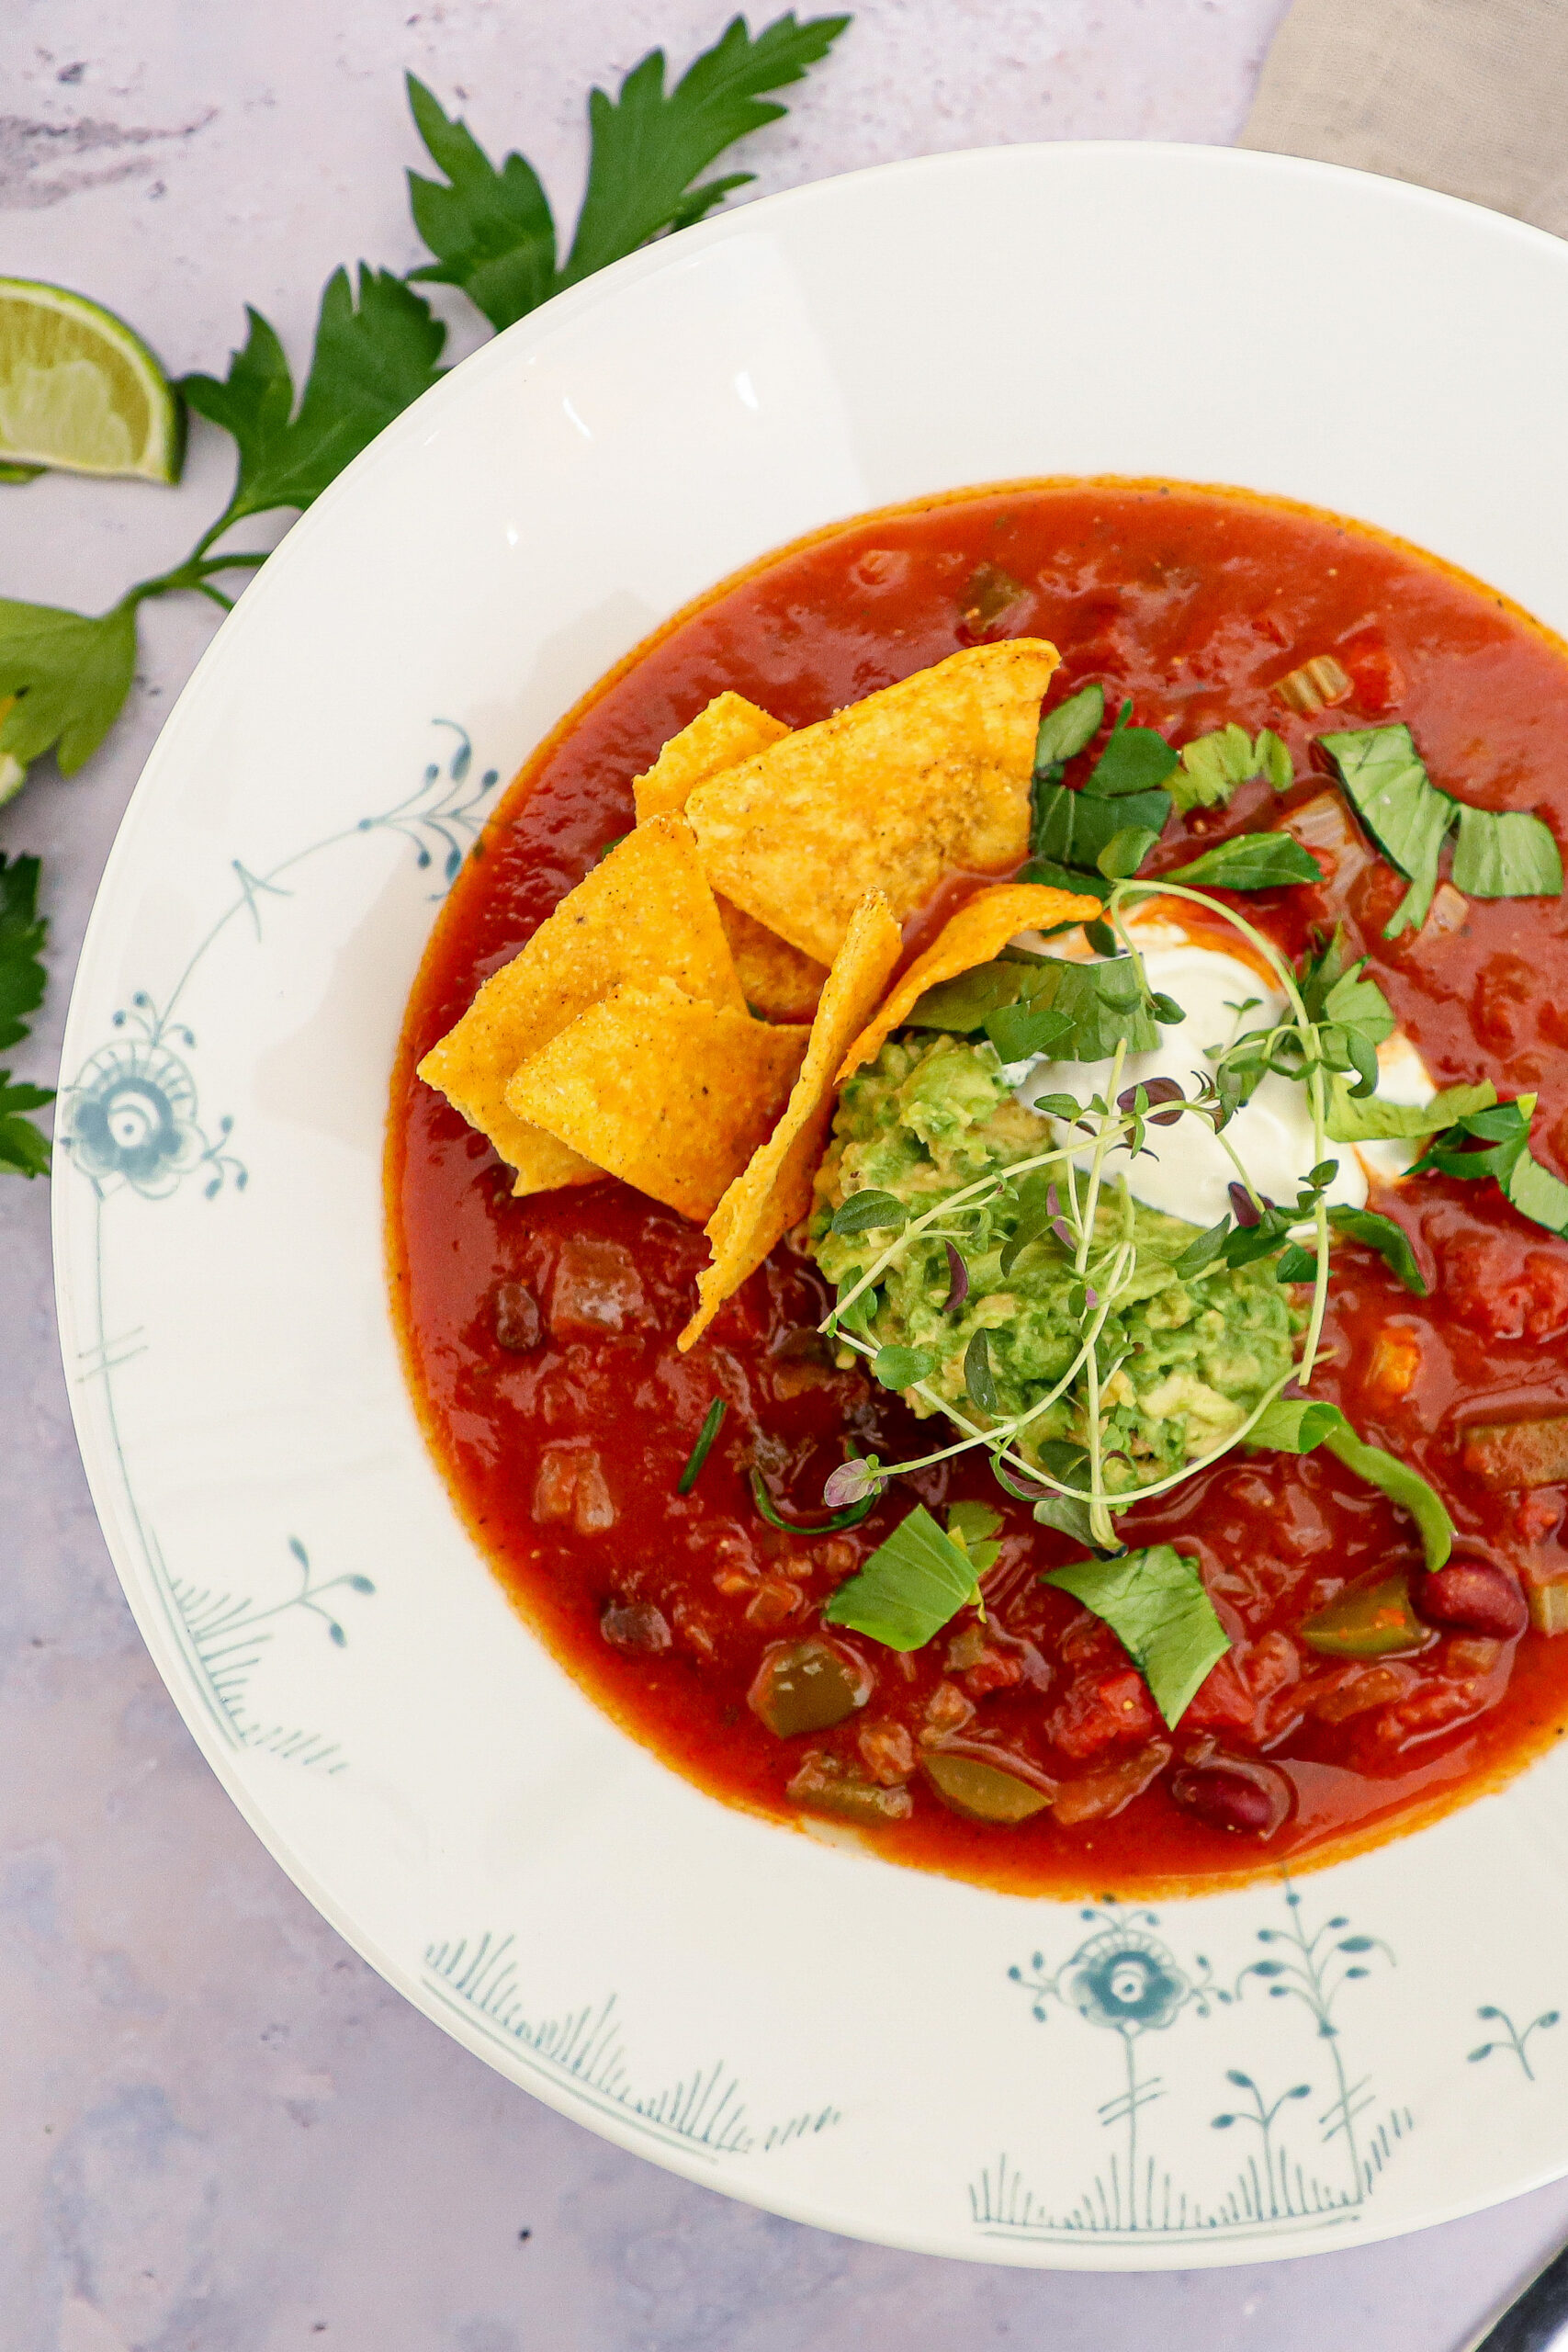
644,911
975,933
672,1094
729,731
774,1191
891,794
775,977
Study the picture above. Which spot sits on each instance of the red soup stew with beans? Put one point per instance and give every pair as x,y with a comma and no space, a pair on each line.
539,1334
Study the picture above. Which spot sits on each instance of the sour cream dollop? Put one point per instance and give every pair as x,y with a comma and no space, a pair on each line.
1184,1168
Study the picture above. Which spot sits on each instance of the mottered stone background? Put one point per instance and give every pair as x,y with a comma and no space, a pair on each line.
218,2131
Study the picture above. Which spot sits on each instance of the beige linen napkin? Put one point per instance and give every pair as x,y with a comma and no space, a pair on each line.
1467,96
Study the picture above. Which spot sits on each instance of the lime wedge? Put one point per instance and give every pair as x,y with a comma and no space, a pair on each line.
80,391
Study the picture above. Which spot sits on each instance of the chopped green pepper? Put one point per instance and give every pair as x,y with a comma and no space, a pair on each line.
1549,1605
1367,1621
807,1686
983,1791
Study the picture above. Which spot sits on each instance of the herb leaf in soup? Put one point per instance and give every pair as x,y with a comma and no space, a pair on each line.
1511,855
1299,1424
908,1588
1069,728
1354,1119
1133,761
1390,1240
1386,782
1250,862
1213,766
1072,829
1156,1601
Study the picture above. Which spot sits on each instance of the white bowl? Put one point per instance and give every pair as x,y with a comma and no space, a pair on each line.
867,2048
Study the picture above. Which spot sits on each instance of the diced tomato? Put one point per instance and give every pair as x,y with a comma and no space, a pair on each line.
1223,1699
1094,1713
992,1670
1377,680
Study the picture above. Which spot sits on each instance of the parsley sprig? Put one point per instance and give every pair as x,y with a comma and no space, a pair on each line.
24,1151
65,674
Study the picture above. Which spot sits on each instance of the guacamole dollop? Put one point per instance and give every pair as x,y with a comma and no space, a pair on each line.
933,1115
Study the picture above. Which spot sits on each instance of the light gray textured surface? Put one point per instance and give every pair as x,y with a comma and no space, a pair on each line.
220,2131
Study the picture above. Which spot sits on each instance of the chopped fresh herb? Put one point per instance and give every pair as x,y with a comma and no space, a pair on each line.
979,1379
1494,1141
1126,852
492,230
1155,1600
1386,782
1298,1424
1069,728
909,1587
1213,766
1104,1003
957,1279
1056,877
869,1211
963,1004
1250,861
1200,1255
22,1150
899,1368
1390,1240
1071,829
833,1525
1073,1012
713,1421
1134,762
1354,1120
1511,855
1020,1031
975,1526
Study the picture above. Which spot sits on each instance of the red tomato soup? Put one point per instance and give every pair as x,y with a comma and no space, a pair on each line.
539,1334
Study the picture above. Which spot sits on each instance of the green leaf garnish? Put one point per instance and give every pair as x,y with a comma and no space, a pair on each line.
975,1526
713,1421
1214,764
1103,1003
900,1367
1386,782
372,358
1352,1119
870,1212
910,1587
1511,855
1072,829
22,1150
69,674
1502,1132
1126,852
492,230
964,1004
1156,1601
979,1379
1250,861
1298,1424
1069,728
1133,761
1056,877
1390,1240
1020,1031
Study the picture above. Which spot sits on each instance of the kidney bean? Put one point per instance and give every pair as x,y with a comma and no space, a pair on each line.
1473,1597
1228,1799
